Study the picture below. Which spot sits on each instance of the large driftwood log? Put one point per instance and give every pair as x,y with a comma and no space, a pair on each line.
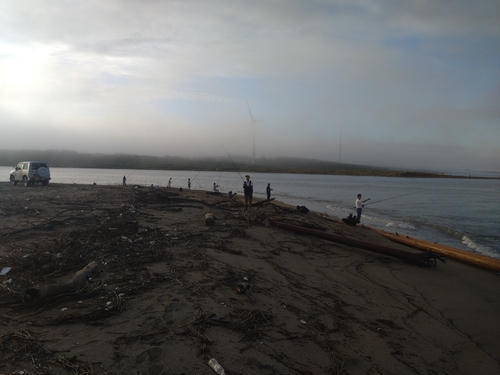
52,290
262,202
422,260
469,257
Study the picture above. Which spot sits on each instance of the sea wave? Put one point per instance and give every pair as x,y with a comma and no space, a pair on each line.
467,241
485,250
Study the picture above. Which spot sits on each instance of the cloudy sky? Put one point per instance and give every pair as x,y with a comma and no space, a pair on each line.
407,84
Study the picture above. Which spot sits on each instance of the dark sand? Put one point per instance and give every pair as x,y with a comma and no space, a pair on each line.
170,292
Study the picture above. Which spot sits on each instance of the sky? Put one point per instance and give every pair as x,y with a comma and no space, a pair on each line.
405,84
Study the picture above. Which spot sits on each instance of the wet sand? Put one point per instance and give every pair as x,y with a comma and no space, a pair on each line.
169,292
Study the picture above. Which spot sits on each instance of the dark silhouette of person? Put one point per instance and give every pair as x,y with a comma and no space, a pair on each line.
268,191
248,190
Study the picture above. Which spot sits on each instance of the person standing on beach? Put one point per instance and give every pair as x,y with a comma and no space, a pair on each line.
359,207
189,184
169,182
248,190
124,181
268,191
216,188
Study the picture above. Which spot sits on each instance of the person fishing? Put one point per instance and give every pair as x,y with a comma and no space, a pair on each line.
359,207
268,191
216,188
124,180
189,184
248,190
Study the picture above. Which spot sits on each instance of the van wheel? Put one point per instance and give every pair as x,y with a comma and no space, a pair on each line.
25,181
13,180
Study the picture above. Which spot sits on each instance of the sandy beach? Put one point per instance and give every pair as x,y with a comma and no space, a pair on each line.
136,280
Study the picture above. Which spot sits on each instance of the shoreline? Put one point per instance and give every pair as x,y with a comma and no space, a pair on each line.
362,172
181,292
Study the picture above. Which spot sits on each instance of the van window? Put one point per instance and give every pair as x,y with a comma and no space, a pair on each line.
25,166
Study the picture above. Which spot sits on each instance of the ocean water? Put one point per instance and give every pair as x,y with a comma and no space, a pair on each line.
463,213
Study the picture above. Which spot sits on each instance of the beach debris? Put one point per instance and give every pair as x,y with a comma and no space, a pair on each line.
5,271
47,291
210,219
214,364
302,209
350,220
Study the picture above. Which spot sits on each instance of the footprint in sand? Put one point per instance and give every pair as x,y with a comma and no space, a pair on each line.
141,357
155,369
168,316
154,355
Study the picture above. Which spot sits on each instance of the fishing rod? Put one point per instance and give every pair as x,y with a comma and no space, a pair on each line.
233,163
398,196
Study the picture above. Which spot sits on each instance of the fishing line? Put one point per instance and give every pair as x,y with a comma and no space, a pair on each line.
398,196
130,174
179,177
195,176
222,170
233,164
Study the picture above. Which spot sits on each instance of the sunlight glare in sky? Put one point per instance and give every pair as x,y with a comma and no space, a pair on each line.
414,84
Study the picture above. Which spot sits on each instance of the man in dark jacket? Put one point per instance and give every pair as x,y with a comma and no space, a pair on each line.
268,191
248,190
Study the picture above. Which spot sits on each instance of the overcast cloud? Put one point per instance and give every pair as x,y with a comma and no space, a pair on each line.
407,84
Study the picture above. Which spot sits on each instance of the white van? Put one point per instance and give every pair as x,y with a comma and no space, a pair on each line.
30,172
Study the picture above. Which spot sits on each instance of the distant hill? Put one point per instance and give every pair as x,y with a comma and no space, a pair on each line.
73,159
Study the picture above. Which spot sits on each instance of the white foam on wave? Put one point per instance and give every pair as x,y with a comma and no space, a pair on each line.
485,250
400,224
339,209
390,222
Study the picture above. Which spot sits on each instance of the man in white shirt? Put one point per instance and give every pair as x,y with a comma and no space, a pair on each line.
359,207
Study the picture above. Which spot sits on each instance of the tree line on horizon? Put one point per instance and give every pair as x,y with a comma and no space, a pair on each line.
73,159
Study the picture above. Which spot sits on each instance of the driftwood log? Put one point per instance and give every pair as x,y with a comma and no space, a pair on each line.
423,259
262,202
52,290
468,257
